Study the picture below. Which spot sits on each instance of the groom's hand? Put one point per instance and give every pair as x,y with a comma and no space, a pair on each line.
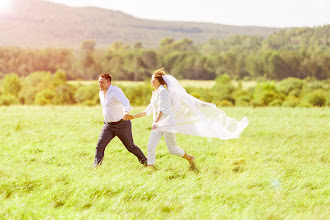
128,117
154,127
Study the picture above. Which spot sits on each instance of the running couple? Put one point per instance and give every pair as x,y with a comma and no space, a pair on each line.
174,111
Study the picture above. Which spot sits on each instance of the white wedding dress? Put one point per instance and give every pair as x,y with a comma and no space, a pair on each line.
194,117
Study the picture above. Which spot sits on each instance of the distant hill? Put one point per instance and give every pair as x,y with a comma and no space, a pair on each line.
36,23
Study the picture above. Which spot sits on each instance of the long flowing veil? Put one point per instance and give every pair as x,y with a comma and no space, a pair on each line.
195,117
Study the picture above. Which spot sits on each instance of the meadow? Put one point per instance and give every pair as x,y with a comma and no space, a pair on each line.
277,169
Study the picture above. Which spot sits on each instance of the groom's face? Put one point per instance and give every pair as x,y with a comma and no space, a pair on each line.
104,84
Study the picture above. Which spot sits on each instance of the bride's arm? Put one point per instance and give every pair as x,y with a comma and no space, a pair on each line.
139,115
159,115
130,117
146,112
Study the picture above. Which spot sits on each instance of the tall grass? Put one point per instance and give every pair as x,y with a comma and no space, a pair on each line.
278,169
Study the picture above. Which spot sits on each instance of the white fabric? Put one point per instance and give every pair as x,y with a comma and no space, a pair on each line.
114,104
160,101
194,117
154,139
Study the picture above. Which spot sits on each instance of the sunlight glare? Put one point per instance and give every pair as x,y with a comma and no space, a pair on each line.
5,6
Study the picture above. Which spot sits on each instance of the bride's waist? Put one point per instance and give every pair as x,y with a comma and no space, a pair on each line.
162,117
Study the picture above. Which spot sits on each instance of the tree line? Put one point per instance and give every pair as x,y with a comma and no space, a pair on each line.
44,88
298,52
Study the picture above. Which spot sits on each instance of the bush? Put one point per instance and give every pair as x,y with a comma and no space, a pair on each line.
27,95
317,98
89,103
295,92
138,95
312,86
242,101
12,85
256,103
59,78
276,102
290,86
224,103
304,103
315,85
196,95
265,93
291,101
328,103
35,78
64,95
223,85
44,97
206,95
268,97
85,93
8,100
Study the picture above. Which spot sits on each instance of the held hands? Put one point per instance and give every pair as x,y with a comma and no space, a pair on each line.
128,117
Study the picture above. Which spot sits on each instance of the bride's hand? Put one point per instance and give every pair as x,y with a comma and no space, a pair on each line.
128,117
154,127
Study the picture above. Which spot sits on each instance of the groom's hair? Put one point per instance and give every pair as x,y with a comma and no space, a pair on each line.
159,75
106,76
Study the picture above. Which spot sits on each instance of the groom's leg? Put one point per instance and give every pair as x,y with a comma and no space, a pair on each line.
124,132
154,139
105,137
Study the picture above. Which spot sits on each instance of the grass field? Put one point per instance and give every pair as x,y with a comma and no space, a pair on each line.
278,169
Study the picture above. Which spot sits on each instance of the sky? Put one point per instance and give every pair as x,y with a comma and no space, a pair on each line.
269,13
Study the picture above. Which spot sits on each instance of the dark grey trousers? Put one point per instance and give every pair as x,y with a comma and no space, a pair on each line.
123,130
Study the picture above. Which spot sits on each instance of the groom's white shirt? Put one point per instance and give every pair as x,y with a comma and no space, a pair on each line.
114,104
160,101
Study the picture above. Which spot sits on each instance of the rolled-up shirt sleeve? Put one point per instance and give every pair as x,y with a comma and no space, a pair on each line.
164,102
120,96
149,109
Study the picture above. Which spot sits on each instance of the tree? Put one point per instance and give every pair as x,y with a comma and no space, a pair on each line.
12,85
88,63
59,78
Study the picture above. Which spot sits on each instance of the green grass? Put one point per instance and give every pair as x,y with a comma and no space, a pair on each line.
278,169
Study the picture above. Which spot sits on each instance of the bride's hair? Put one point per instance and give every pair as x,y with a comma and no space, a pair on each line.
159,75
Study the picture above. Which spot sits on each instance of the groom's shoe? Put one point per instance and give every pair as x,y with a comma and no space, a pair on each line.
144,162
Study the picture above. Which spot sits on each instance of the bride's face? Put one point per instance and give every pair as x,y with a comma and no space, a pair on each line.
154,82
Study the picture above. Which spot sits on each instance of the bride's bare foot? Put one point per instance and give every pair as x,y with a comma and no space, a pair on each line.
191,160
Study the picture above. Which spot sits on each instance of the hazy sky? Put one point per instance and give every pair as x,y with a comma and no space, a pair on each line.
273,13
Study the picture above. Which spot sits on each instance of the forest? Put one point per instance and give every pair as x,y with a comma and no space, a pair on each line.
297,52
290,68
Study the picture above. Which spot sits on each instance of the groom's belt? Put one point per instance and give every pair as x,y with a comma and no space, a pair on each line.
117,122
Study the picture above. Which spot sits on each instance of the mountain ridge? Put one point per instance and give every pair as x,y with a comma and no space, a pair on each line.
48,24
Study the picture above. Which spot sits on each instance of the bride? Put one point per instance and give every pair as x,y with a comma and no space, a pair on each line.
175,111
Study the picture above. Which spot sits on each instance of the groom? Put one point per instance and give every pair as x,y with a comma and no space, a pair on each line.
115,108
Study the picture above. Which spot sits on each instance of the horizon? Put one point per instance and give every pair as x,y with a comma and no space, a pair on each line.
236,13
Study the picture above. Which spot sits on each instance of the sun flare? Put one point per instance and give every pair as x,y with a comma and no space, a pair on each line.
5,6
